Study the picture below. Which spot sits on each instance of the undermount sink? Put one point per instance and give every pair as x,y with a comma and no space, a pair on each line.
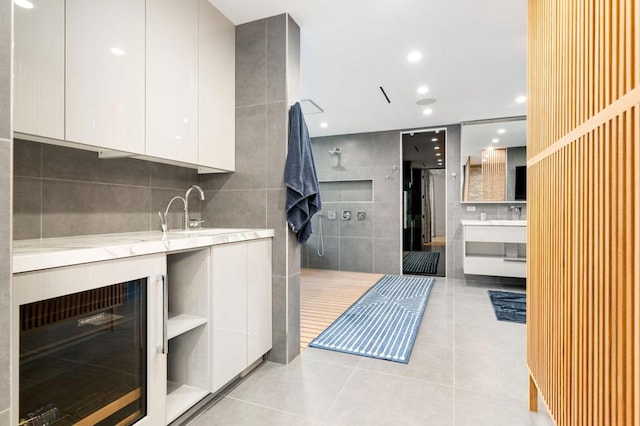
495,222
202,231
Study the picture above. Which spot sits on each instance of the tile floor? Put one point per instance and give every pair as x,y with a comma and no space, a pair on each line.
466,368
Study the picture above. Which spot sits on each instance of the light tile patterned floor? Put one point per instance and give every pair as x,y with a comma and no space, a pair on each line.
467,368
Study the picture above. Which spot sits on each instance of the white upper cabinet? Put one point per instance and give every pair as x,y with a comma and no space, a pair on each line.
105,74
172,80
39,69
216,94
154,79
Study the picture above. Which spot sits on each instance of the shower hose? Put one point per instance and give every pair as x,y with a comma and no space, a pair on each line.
321,239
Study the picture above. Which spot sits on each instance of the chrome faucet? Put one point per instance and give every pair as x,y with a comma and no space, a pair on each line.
187,222
516,209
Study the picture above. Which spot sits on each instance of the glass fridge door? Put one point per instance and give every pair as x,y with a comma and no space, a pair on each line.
83,357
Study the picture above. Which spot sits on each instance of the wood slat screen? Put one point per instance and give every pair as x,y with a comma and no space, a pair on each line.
583,273
494,174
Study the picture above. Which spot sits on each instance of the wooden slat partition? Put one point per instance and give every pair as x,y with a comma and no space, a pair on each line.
583,273
494,174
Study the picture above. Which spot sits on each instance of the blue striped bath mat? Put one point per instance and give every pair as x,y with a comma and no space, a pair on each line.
421,262
383,323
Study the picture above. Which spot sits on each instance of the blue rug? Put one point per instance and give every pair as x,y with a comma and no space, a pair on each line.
421,262
383,323
509,306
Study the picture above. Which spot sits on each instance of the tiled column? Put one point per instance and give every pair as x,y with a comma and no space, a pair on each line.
5,206
267,82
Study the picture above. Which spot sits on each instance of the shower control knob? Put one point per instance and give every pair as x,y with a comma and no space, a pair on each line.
346,214
361,215
331,215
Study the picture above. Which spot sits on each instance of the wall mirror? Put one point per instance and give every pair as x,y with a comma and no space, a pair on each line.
494,161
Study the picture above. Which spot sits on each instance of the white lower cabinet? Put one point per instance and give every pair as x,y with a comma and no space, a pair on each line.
259,299
495,249
241,304
170,329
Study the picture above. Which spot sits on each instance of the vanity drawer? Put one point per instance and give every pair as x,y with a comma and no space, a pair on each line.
495,234
495,266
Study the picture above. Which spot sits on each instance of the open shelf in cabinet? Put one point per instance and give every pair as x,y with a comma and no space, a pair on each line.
181,323
181,397
188,357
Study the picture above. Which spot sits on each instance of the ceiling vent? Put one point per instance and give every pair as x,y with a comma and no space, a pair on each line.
310,107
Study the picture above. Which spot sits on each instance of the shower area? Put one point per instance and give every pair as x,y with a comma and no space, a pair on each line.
357,229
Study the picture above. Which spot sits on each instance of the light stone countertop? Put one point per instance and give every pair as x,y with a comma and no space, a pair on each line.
32,255
494,222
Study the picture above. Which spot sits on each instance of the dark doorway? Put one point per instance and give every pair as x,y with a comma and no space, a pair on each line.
424,202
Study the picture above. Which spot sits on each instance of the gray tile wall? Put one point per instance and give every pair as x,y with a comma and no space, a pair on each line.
371,245
5,208
267,82
61,191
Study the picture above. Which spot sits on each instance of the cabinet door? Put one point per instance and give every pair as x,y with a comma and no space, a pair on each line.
39,69
229,306
105,73
172,80
258,298
216,93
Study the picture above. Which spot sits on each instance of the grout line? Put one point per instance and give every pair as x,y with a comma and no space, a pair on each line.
264,406
342,390
89,182
453,346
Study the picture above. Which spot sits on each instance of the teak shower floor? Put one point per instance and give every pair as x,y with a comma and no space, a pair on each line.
324,295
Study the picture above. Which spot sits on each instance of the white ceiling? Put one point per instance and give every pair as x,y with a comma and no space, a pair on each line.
473,59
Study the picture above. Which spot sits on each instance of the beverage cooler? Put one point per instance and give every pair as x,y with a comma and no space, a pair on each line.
91,344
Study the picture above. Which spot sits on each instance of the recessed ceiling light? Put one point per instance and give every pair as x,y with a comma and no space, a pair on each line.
178,137
414,56
434,139
495,140
426,101
521,99
324,124
117,51
427,111
422,90
438,154
25,4
501,131
436,147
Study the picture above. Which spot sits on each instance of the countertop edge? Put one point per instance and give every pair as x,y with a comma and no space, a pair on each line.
34,255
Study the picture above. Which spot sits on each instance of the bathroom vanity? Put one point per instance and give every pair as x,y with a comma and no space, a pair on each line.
495,247
136,327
